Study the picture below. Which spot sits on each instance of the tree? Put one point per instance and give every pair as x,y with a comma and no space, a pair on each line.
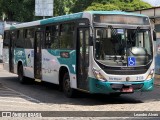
101,7
23,10
124,5
18,10
59,7
138,5
68,4
80,5
62,7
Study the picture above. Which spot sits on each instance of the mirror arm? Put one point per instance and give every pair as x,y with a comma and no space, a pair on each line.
154,35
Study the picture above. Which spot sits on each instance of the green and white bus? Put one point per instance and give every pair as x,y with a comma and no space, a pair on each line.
108,52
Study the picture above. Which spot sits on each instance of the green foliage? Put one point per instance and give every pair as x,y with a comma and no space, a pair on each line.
18,10
102,7
68,4
124,5
80,5
138,4
23,10
62,7
59,7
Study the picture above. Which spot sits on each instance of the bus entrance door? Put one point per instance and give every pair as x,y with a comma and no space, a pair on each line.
37,55
83,58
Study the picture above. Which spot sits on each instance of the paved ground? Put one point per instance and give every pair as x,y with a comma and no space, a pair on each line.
45,97
157,79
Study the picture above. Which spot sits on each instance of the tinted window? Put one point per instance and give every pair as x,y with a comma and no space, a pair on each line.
66,36
6,39
29,38
19,41
48,37
51,39
13,37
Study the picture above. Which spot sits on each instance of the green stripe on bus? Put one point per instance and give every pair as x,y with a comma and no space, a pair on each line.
70,61
12,27
61,18
97,86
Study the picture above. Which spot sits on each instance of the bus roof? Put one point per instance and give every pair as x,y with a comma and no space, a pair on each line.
115,12
69,17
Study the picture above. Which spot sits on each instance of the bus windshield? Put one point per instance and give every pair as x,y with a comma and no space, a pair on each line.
113,46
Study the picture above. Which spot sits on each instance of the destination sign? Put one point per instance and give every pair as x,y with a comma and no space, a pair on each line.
121,19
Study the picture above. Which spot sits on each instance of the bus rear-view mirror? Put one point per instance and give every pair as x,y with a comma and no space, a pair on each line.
154,35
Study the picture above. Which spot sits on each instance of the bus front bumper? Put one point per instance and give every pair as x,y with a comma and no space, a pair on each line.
97,86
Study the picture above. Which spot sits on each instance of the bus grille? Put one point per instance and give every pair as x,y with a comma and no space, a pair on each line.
120,86
125,72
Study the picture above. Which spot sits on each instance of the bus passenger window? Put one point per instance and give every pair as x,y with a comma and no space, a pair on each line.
48,37
29,38
19,41
54,37
66,36
51,37
13,37
6,39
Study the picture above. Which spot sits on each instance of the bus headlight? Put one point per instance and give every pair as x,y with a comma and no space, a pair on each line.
150,76
98,75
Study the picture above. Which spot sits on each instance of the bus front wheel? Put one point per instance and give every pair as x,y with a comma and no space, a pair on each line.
68,91
21,76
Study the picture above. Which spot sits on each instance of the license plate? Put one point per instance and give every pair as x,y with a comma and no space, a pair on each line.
130,89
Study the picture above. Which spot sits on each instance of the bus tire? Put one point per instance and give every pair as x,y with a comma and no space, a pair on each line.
68,91
21,77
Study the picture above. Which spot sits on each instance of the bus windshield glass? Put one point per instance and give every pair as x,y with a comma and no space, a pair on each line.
113,46
121,19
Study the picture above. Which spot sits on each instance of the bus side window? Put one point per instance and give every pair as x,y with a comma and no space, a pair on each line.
13,37
19,42
29,38
6,39
48,37
51,37
55,37
67,36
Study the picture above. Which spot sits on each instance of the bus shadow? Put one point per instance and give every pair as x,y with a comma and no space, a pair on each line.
50,94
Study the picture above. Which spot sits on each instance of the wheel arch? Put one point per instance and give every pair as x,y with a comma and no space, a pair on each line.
62,71
19,63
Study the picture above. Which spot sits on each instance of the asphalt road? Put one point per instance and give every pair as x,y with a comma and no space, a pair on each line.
47,97
49,94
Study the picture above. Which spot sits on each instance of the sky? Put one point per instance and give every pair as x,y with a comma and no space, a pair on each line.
153,2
